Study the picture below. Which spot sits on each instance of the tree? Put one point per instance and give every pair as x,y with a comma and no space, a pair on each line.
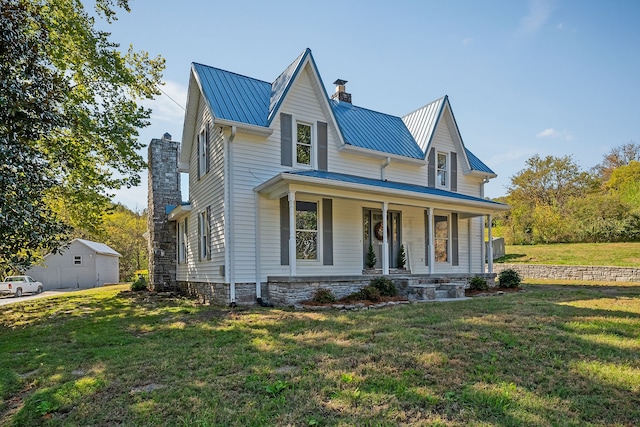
625,180
70,119
617,157
31,95
124,232
540,197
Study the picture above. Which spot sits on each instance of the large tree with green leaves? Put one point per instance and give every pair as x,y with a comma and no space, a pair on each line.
540,196
32,94
70,104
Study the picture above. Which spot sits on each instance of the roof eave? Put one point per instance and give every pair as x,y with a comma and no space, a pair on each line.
487,206
248,128
367,152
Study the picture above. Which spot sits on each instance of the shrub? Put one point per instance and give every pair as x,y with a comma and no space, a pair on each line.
324,296
139,285
401,260
386,286
478,283
371,257
509,278
370,293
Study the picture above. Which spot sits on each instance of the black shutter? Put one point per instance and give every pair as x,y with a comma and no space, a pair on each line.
207,149
322,147
209,232
454,171
199,237
431,171
426,238
454,240
327,232
284,231
198,155
286,140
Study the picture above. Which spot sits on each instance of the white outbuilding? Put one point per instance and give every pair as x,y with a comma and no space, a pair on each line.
84,264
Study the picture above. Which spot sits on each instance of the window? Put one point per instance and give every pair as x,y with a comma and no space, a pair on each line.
203,152
182,241
306,230
441,238
442,170
303,144
77,260
203,235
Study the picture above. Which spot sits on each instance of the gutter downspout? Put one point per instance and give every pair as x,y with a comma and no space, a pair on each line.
230,244
257,243
383,175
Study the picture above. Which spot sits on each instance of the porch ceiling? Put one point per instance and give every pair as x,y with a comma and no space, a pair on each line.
355,187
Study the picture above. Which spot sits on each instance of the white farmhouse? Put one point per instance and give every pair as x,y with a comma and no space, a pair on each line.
84,264
289,188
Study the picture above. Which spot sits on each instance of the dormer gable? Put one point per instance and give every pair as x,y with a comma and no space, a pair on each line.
424,124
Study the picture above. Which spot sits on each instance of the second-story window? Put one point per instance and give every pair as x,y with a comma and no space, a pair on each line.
443,170
303,144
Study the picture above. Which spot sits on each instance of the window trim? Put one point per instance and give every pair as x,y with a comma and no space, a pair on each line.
318,231
312,145
182,241
203,236
446,170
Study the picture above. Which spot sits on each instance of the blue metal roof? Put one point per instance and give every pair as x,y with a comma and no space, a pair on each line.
233,96
369,129
390,185
243,99
476,164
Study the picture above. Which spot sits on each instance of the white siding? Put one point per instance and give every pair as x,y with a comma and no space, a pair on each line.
255,159
204,191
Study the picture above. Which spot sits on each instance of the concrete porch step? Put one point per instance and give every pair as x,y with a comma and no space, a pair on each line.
442,293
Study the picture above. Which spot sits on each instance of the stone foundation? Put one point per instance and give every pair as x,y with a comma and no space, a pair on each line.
289,291
220,293
573,272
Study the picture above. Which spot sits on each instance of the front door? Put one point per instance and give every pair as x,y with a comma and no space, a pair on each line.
372,226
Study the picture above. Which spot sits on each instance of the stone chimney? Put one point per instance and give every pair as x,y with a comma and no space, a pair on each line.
163,196
341,94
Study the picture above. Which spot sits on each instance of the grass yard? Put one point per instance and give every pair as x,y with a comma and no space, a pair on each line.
555,355
611,254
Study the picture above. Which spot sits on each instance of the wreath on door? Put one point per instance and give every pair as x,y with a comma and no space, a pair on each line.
377,230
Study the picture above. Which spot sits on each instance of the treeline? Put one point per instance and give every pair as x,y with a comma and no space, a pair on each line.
124,231
553,201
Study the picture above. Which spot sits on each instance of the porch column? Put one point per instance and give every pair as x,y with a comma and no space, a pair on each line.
292,233
385,240
490,247
432,255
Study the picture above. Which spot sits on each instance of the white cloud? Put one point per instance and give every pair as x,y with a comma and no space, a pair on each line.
552,133
549,132
169,106
467,41
537,16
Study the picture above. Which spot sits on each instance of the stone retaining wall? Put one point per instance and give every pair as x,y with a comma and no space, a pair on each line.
573,272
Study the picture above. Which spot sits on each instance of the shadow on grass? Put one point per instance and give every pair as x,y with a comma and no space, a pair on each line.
529,358
510,258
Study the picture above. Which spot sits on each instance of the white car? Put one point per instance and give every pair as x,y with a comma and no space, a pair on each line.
18,285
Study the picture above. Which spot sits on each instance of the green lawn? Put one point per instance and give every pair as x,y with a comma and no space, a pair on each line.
551,356
612,254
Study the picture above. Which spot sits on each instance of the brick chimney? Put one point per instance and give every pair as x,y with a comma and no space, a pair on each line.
341,94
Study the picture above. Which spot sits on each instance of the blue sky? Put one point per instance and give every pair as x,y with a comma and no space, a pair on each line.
547,77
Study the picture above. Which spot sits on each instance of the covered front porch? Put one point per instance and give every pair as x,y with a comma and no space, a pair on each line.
328,221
